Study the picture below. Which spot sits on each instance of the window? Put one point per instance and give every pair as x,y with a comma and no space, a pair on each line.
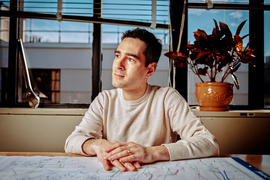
203,19
64,47
221,1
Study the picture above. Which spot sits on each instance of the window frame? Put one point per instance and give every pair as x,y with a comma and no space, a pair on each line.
256,11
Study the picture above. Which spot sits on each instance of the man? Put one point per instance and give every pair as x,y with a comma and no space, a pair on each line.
138,123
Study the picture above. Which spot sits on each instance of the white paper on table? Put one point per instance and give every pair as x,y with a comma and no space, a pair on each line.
43,167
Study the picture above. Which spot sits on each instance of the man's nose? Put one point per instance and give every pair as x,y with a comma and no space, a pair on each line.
120,63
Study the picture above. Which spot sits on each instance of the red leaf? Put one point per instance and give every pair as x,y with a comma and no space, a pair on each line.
175,55
200,33
240,27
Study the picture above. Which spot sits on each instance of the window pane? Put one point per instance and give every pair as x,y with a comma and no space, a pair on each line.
266,1
140,10
4,47
221,2
203,19
70,7
59,57
267,59
38,30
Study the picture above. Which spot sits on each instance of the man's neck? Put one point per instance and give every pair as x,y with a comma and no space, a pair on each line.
132,95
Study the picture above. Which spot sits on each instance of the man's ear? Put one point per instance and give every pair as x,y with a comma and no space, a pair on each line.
151,69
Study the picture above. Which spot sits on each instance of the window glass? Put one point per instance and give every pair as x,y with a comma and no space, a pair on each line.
39,30
69,7
140,10
203,19
222,1
4,38
76,32
266,1
59,54
267,59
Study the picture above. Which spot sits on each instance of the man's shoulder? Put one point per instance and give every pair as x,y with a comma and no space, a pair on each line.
163,89
166,93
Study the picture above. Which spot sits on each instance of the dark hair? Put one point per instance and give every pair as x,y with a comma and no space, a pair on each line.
153,45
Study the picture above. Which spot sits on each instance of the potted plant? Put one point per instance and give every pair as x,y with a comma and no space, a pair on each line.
219,52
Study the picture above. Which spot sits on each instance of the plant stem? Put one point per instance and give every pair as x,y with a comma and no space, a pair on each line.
225,74
196,72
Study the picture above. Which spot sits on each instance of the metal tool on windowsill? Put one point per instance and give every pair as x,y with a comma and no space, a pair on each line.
31,96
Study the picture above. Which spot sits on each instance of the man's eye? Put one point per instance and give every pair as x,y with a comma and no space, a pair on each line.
131,59
117,55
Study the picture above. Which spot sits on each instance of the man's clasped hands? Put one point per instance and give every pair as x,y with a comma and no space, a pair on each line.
126,156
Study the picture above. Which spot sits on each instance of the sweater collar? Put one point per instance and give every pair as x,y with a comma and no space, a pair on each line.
138,101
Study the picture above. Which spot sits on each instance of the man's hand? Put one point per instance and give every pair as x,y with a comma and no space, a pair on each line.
98,147
132,152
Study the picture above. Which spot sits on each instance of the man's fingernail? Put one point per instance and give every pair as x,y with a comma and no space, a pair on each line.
123,169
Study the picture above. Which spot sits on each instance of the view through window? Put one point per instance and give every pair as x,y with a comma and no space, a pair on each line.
203,19
65,47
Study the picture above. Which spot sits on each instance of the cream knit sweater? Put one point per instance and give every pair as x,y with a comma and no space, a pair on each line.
154,119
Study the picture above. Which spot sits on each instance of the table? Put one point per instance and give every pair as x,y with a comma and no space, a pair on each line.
261,162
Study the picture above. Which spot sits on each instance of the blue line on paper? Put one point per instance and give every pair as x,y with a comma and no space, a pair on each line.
115,173
226,175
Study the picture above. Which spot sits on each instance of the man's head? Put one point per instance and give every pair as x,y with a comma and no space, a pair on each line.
135,61
153,45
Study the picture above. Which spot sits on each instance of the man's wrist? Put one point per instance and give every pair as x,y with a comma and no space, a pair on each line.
160,153
87,147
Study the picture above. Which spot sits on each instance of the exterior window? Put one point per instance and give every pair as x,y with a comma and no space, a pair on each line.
203,19
221,2
59,53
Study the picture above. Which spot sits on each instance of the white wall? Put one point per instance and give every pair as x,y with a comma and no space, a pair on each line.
45,130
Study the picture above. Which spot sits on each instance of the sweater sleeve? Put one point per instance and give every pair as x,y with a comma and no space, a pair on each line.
89,128
196,141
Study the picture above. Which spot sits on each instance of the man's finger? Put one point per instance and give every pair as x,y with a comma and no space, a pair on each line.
106,165
130,166
117,164
131,158
117,154
137,165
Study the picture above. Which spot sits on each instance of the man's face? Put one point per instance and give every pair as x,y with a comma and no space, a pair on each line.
129,71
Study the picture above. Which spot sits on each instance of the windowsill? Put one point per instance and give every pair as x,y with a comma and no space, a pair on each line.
44,111
234,113
81,112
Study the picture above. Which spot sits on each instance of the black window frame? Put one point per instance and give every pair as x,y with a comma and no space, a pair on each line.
256,27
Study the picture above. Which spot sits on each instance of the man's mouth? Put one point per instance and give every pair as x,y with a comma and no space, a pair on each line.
119,75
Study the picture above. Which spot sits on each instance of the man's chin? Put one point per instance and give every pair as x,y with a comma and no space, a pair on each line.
116,84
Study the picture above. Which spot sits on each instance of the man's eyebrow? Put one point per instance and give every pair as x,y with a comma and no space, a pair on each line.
127,54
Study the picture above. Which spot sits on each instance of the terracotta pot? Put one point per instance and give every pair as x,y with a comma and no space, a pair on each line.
214,96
